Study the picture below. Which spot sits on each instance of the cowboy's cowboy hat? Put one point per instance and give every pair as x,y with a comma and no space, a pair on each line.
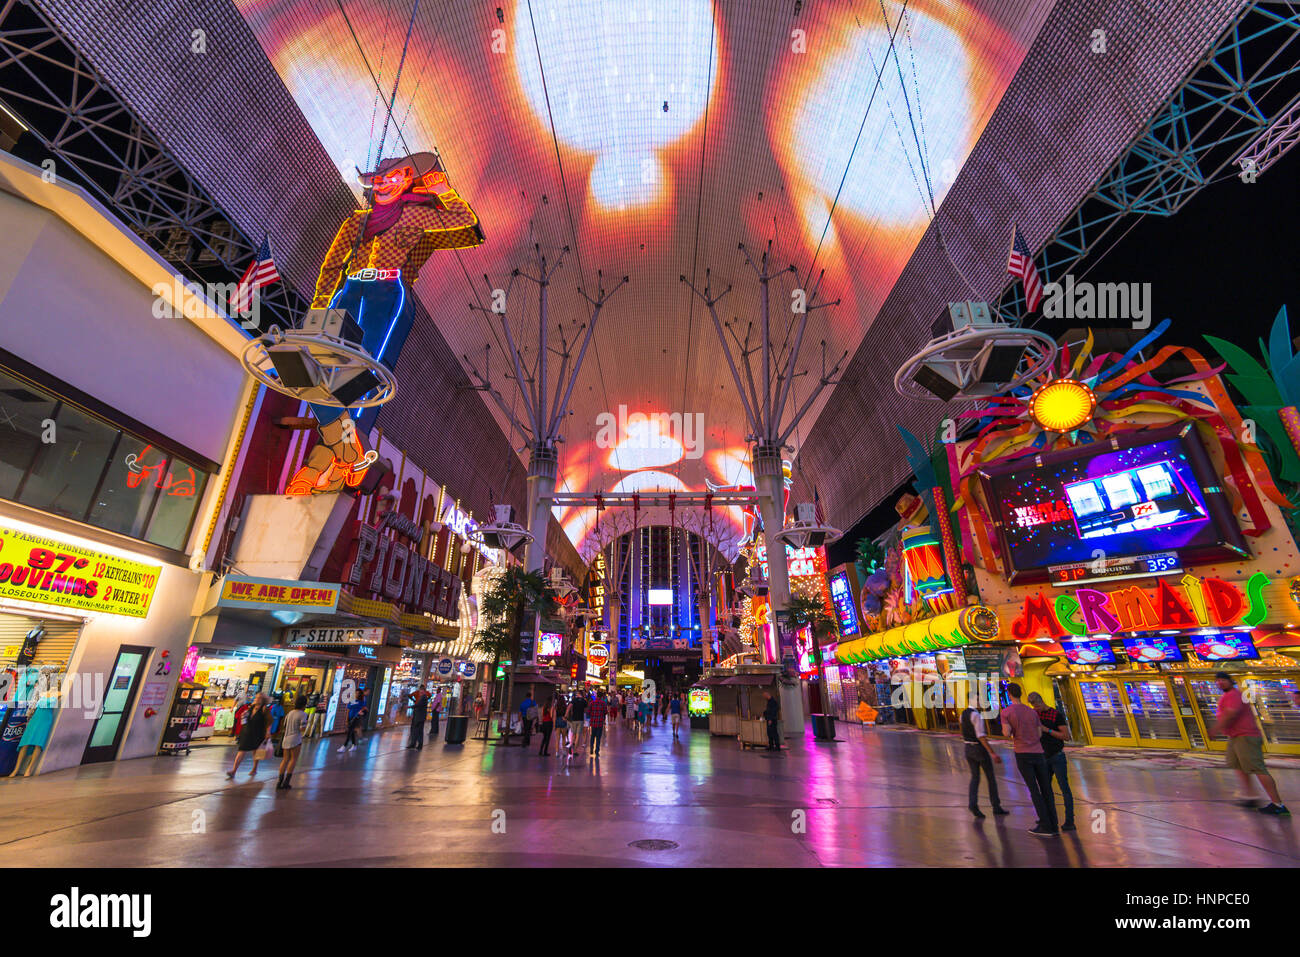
423,162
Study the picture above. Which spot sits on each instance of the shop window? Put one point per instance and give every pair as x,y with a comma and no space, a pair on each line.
68,470
23,413
59,459
129,490
176,504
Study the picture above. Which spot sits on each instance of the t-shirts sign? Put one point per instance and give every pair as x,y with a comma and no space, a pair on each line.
334,636
50,571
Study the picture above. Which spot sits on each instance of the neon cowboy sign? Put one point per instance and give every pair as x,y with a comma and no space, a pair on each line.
1192,603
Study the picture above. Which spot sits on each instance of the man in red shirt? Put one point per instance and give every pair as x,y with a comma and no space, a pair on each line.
1020,723
1245,745
599,708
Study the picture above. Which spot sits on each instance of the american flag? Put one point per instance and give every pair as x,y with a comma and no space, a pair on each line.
818,513
1021,265
260,272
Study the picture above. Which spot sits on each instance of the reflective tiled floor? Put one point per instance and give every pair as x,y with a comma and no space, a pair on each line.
880,796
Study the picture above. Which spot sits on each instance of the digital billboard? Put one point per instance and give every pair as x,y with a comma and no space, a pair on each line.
1088,652
1096,504
612,128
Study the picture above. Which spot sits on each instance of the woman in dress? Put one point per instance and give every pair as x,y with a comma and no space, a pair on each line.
295,722
253,735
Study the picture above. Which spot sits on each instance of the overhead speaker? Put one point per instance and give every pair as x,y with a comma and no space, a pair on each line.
935,383
1001,364
296,369
356,387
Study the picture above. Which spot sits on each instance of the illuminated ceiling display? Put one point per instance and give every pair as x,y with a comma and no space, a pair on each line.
651,137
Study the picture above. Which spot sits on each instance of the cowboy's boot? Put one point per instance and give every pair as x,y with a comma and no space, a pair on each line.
338,459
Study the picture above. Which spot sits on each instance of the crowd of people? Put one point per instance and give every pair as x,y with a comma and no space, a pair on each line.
579,720
1037,734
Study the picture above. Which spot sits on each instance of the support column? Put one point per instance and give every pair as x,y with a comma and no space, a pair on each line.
615,607
541,490
769,479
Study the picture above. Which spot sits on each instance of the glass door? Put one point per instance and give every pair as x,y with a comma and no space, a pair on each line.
119,696
1196,735
1103,706
1155,719
1278,716
1205,696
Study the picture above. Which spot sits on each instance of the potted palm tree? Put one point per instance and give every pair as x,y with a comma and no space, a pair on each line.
809,612
503,612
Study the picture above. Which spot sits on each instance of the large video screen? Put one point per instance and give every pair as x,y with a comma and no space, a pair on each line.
1150,493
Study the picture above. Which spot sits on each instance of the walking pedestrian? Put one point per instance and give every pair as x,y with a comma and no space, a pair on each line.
547,725
527,710
1245,746
357,712
419,699
295,722
980,756
675,706
435,709
1020,723
253,735
277,716
597,712
577,712
772,715
561,723
1056,731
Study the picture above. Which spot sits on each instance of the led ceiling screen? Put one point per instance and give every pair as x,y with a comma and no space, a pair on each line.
652,137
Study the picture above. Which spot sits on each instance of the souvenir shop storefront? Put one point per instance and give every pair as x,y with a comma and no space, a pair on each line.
336,646
89,636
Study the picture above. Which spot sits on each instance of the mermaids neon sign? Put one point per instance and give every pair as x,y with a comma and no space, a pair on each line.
1193,603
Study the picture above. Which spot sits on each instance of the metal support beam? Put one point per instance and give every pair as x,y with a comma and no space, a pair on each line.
1249,81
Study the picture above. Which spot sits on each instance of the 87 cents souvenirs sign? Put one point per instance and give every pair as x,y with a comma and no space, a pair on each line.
53,572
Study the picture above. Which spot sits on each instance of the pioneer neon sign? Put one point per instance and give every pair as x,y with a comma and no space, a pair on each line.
1192,603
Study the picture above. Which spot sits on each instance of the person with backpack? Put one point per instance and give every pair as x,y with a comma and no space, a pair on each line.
577,711
980,756
527,714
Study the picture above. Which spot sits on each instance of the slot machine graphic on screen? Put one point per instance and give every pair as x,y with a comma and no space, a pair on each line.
1144,503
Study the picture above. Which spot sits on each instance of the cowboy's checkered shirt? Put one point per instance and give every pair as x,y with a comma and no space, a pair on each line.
406,245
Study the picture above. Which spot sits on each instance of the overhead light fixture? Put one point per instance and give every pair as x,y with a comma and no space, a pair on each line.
1062,405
